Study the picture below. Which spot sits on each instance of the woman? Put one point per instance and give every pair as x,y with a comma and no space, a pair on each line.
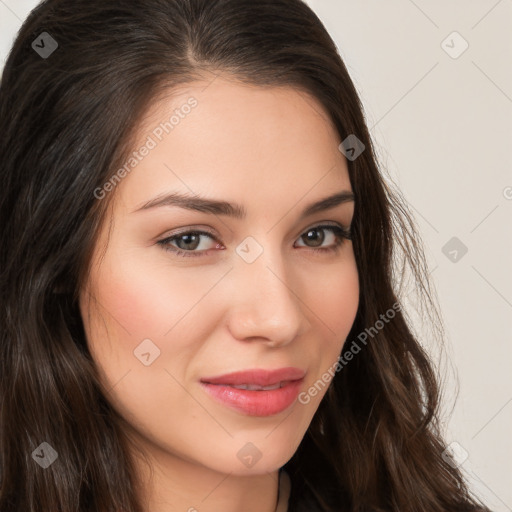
199,305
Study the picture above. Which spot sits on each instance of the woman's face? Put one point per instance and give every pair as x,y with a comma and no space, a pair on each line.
251,294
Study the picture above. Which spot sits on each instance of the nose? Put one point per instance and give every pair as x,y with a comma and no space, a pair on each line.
263,305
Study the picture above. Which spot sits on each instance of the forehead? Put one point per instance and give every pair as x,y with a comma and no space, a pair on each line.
225,138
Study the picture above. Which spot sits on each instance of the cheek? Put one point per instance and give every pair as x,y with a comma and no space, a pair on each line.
148,297
137,301
145,308
335,299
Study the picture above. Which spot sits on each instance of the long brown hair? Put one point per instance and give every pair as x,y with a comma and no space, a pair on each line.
67,119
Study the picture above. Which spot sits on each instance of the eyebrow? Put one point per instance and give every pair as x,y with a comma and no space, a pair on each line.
236,211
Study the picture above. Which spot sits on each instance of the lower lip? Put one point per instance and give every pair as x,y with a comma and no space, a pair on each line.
255,403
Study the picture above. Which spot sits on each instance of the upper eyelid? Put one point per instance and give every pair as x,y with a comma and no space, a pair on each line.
192,229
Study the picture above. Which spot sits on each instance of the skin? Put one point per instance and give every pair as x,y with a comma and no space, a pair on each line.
274,151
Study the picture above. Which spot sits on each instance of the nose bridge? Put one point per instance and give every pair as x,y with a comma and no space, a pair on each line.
264,304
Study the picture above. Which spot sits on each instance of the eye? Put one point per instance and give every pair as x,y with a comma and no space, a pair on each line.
187,242
338,234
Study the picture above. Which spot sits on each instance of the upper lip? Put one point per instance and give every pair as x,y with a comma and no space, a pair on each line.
258,377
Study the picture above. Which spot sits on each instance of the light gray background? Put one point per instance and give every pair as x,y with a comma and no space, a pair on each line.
443,128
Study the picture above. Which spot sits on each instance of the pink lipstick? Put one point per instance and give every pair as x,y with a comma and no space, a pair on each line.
256,392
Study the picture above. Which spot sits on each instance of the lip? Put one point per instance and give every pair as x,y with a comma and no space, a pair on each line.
258,377
256,402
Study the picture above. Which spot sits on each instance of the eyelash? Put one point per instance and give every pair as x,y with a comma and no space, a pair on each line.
341,234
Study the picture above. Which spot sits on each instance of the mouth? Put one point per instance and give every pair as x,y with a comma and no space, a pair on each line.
256,392
255,387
